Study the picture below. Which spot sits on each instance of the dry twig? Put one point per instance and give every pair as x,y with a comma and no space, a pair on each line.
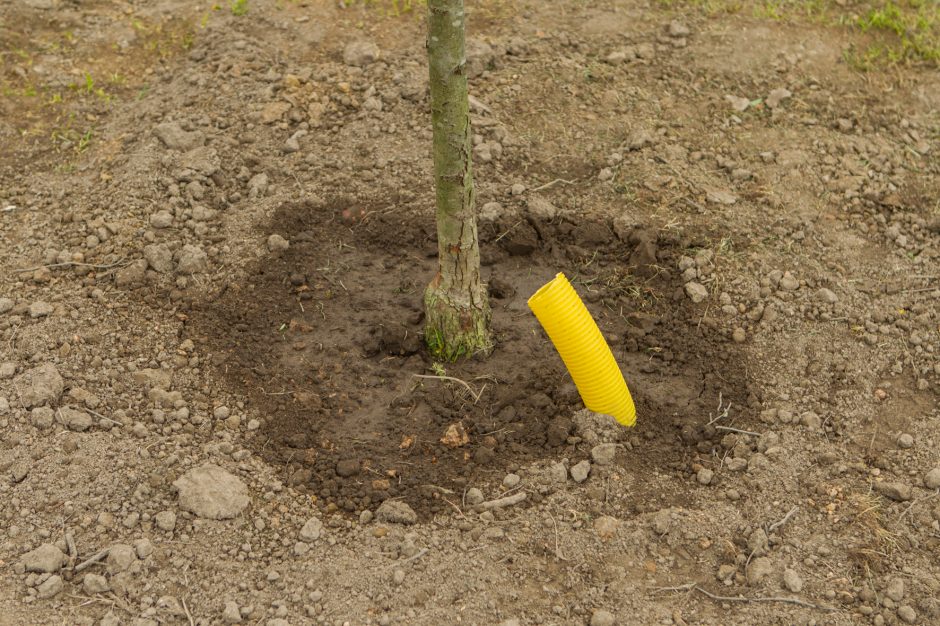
717,598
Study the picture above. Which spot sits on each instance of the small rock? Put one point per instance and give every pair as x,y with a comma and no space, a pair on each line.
474,496
277,243
95,583
811,420
738,104
895,589
905,441
40,309
360,53
678,29
211,492
696,292
757,542
826,295
895,491
705,476
517,190
161,219
396,512
143,548
777,96
580,471
758,569
932,479
231,614
273,111
40,385
398,576
159,257
50,588
311,530
174,137
166,520
6,305
907,614
73,419
301,548
739,335
720,196
42,417
603,618
511,480
45,559
792,580
541,208
191,259
131,274
604,454
120,557
788,282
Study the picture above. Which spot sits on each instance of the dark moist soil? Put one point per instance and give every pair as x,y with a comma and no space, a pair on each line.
325,338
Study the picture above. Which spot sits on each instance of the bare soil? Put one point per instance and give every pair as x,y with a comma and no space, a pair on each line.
217,229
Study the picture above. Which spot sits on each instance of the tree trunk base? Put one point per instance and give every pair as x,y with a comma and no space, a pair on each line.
453,330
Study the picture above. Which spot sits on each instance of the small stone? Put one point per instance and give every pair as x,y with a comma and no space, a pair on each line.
191,260
346,468
274,111
895,491
174,137
211,492
826,295
40,385
738,104
45,559
166,520
161,219
277,243
42,417
396,512
7,370
143,548
398,576
511,480
73,419
606,526
360,53
895,589
905,441
811,420
132,274
311,530
6,305
95,583
159,258
603,618
696,291
120,557
517,189
705,476
604,454
777,96
907,614
40,309
231,614
605,174
50,588
365,517
301,548
932,479
678,29
757,542
725,572
739,335
758,569
788,282
474,496
792,580
580,471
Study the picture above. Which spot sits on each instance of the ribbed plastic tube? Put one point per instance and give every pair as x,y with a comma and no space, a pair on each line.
582,347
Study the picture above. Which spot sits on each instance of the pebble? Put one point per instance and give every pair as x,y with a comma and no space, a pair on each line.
40,309
277,243
895,491
396,512
604,454
932,479
474,496
895,589
905,441
159,257
739,335
603,618
191,259
360,53
45,559
166,520
696,291
143,548
311,530
172,135
50,588
678,29
161,219
40,385
788,282
73,419
511,480
95,583
120,557
231,614
792,580
6,305
758,569
580,471
42,417
517,189
827,296
212,493
606,526
705,476
777,96
907,614
398,576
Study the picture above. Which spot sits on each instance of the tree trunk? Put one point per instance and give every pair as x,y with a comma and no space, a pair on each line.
455,302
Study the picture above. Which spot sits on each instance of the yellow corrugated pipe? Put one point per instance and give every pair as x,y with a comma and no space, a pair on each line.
583,349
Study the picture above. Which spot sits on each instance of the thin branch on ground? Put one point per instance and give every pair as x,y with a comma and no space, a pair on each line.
917,501
189,615
70,264
721,411
738,430
558,554
92,560
456,508
500,503
717,598
417,556
785,519
552,183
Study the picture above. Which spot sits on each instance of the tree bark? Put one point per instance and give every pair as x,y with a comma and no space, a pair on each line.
455,302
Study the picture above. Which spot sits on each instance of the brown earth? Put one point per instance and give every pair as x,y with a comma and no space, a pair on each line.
753,221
